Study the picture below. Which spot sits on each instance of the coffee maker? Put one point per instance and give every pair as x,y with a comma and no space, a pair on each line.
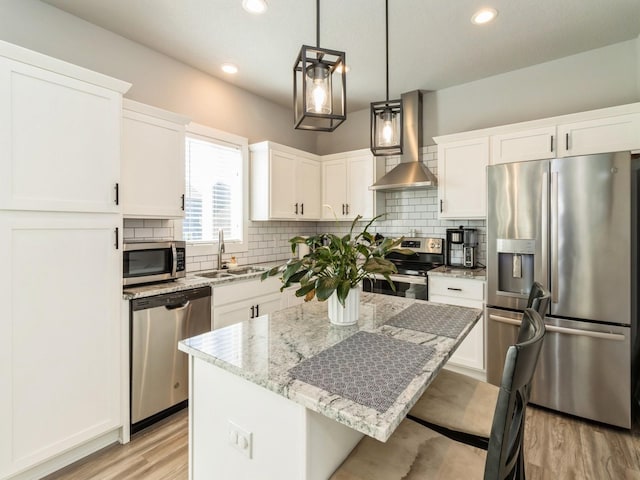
467,240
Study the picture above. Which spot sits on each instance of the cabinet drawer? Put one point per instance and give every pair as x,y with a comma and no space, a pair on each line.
456,287
242,290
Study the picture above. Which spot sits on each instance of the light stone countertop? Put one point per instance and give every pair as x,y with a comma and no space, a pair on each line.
264,349
192,280
459,272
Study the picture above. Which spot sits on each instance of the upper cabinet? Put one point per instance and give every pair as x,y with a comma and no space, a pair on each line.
346,178
463,157
610,134
462,186
59,135
285,183
153,168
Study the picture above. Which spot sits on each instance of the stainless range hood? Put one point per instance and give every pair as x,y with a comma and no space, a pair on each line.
410,172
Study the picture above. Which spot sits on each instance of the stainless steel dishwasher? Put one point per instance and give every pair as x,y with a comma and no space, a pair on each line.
159,371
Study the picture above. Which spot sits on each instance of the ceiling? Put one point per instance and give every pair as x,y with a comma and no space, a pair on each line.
432,43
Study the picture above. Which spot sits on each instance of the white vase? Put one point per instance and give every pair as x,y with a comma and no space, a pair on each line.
347,315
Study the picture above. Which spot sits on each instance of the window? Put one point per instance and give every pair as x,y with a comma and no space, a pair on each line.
215,198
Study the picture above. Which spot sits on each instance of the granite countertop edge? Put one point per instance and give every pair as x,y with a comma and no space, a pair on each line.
470,273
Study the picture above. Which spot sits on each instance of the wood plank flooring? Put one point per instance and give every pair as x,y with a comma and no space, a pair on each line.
558,447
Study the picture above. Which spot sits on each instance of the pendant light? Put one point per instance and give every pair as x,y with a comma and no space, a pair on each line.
319,86
386,117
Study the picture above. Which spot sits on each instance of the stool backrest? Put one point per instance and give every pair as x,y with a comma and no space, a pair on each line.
505,456
539,299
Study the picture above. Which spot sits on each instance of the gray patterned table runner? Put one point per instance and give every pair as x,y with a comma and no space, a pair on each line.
443,320
368,368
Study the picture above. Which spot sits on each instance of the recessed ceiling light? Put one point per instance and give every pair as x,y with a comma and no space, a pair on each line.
254,6
229,68
484,15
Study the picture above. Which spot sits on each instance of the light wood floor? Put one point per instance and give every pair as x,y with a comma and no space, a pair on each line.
558,447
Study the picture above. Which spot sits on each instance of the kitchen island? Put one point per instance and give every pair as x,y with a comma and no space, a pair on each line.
252,415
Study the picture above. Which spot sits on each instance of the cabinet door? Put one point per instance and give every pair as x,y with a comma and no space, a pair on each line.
334,189
464,293
536,144
462,178
59,142
247,309
153,166
60,344
282,185
308,181
613,134
360,177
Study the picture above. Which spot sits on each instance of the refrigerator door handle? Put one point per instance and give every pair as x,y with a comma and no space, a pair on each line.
585,333
544,229
508,321
554,237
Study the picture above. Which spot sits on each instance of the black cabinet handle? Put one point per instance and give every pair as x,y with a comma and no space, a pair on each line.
257,310
440,206
252,313
183,202
454,289
566,140
347,208
296,209
302,209
343,208
551,143
117,187
117,238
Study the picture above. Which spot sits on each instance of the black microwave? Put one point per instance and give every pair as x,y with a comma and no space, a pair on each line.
148,261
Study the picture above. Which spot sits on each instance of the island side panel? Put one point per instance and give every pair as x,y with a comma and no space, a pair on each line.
288,441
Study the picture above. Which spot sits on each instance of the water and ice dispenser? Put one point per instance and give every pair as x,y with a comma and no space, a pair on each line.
515,266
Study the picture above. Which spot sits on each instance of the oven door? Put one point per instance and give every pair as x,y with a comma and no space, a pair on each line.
405,286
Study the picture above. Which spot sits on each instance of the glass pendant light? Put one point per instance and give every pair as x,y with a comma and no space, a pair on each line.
319,86
386,116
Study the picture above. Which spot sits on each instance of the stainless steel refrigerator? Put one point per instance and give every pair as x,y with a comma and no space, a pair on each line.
571,224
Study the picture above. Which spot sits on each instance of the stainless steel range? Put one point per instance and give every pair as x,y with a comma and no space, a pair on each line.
411,279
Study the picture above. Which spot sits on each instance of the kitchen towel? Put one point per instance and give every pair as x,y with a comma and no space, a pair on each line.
368,368
435,318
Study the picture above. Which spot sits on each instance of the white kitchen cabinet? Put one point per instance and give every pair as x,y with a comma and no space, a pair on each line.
465,293
600,135
285,183
60,337
61,359
289,299
59,136
153,168
346,178
238,301
609,134
462,175
534,144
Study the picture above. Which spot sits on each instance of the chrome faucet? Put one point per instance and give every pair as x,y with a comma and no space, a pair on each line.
220,247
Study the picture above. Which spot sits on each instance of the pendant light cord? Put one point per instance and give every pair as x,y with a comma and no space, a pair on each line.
318,23
386,22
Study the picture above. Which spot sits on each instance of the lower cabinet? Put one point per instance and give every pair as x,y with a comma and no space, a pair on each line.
60,336
465,293
239,301
289,298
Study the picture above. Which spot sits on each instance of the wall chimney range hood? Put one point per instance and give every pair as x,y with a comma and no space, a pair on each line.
410,172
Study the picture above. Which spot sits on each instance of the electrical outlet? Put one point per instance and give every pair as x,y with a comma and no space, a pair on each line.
240,438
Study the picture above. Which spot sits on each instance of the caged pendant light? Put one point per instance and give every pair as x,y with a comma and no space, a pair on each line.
319,86
386,117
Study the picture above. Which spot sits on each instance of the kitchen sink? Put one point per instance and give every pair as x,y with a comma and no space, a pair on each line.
246,270
215,274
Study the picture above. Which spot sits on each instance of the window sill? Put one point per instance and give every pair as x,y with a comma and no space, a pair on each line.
201,249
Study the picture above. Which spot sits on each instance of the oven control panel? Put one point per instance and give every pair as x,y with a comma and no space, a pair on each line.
423,245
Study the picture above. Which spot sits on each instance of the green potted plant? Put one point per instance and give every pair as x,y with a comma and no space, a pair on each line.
335,266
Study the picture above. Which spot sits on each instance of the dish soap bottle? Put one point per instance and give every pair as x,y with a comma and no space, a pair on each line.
233,263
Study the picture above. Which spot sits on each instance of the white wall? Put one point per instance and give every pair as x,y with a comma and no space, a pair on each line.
595,79
157,79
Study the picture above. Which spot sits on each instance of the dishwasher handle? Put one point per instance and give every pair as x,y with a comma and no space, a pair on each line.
178,306
564,330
